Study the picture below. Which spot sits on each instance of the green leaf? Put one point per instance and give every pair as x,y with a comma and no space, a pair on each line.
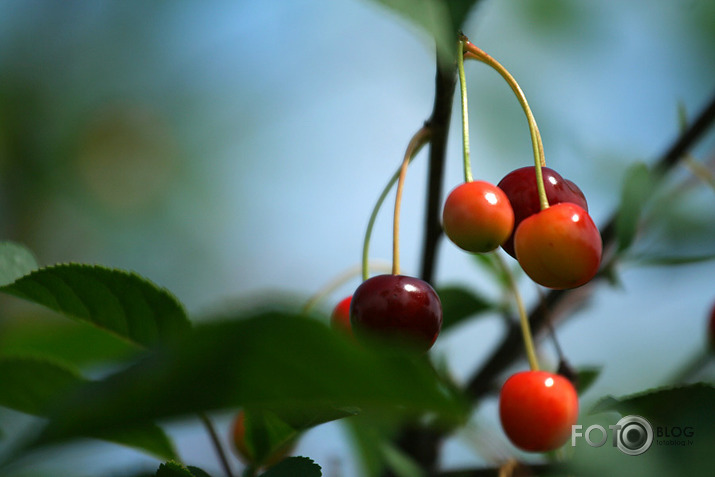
637,189
266,435
15,261
586,377
294,467
35,386
74,342
174,469
666,405
114,300
273,360
670,260
441,20
458,304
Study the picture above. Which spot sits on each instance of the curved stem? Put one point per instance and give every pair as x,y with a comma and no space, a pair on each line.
338,281
465,112
474,52
418,140
523,317
216,443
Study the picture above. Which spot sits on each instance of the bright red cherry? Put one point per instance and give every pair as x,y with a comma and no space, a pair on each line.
477,216
559,247
340,318
397,307
520,187
537,410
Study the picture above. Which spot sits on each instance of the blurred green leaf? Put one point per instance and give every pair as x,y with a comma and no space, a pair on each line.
492,264
666,405
586,377
15,261
637,188
458,304
294,467
663,260
400,463
272,360
440,19
266,435
74,342
35,386
117,301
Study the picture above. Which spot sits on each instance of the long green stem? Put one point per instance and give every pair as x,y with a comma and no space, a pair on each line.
424,131
415,144
465,112
476,53
523,317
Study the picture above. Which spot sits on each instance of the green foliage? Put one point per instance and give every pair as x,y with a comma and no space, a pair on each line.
294,467
117,301
459,303
174,469
15,261
637,188
272,360
35,386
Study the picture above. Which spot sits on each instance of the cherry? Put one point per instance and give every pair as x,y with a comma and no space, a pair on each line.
340,318
520,187
559,247
397,307
238,438
537,410
477,216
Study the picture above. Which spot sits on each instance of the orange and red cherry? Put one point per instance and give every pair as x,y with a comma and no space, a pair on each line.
559,247
477,216
397,308
537,410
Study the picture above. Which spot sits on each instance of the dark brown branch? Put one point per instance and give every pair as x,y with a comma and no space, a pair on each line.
445,82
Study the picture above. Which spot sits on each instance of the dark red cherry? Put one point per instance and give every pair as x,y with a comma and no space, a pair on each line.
399,308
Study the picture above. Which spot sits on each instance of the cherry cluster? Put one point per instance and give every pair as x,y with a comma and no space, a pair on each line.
537,217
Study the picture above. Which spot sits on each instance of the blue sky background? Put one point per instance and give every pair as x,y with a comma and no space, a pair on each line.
255,137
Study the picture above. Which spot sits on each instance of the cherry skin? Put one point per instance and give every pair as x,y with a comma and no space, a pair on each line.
537,410
520,187
398,308
340,317
559,247
477,216
238,439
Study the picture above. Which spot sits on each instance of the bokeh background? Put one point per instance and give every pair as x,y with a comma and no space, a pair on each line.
234,150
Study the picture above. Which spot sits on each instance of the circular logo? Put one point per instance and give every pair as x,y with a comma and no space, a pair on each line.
634,436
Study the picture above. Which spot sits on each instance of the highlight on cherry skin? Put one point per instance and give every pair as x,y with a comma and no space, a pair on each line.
340,317
559,247
477,216
520,188
398,308
537,410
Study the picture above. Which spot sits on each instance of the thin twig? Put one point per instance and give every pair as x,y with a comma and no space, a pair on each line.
216,443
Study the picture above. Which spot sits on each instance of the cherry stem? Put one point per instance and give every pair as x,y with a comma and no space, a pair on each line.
474,52
424,131
418,140
339,281
216,443
523,317
465,112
